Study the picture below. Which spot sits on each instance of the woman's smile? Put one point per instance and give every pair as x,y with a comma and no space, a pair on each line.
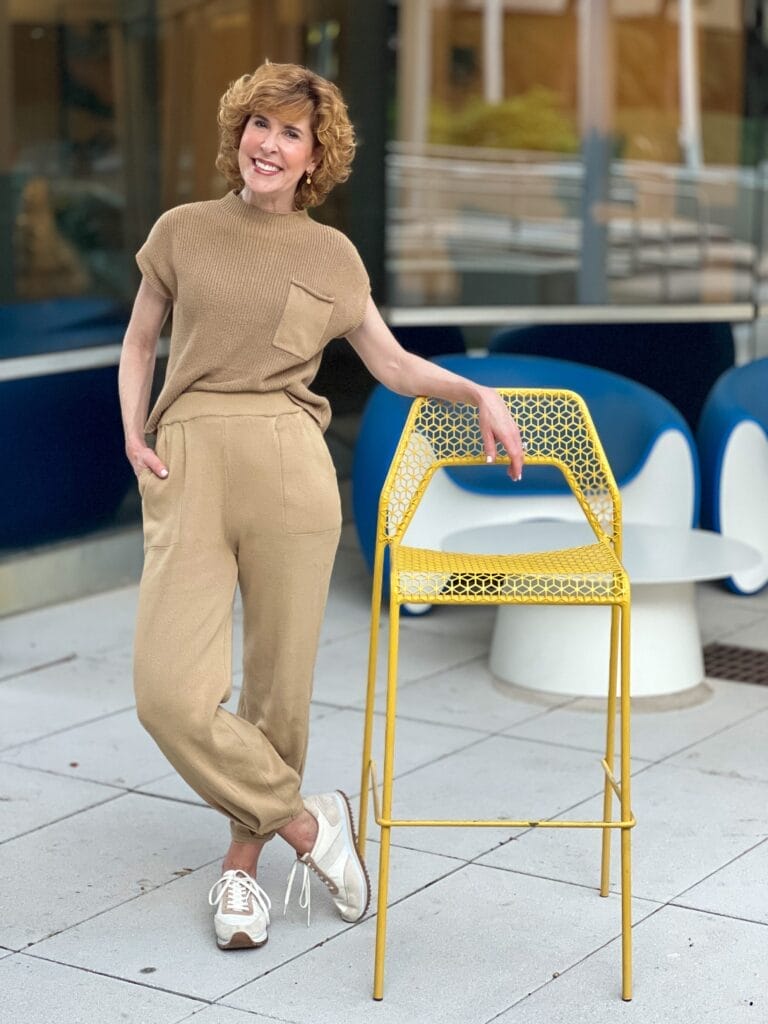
265,167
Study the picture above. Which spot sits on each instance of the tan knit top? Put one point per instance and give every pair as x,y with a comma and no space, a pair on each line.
256,297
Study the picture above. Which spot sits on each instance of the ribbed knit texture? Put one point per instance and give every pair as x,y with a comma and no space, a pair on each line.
256,296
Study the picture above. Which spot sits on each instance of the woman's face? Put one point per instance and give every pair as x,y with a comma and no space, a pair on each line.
273,156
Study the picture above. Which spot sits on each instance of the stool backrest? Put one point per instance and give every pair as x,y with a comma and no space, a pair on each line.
556,427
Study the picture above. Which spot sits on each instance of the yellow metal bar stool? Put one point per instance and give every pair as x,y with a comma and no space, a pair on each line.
558,431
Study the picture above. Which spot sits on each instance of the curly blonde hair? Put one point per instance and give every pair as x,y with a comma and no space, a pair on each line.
290,91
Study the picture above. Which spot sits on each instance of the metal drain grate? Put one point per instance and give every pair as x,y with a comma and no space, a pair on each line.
741,664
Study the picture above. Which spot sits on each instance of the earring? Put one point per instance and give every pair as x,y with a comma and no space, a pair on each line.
309,178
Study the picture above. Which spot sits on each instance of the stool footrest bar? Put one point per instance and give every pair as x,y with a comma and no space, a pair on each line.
480,823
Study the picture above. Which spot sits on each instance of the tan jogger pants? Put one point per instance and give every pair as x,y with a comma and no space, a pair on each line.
251,497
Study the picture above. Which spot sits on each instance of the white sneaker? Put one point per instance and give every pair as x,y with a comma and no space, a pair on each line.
334,858
242,911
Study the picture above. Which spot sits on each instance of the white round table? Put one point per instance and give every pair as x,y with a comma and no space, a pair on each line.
564,649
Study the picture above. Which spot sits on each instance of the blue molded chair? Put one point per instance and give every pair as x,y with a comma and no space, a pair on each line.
733,449
648,443
65,470
431,340
681,361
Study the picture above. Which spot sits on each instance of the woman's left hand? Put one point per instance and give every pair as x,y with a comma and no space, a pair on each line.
498,426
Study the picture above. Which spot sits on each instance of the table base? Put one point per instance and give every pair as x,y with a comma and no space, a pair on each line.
564,650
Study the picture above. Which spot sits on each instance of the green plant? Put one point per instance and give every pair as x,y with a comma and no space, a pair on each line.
532,120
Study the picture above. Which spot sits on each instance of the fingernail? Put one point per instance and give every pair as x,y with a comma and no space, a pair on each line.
163,472
489,458
519,478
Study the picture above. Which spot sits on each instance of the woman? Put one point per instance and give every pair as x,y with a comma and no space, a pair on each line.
240,488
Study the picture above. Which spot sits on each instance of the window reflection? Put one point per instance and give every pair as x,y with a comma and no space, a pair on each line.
565,152
67,171
543,152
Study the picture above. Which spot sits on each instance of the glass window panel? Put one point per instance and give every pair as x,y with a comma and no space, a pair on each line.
567,153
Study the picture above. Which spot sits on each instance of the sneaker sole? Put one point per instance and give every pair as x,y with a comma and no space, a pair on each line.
361,863
241,940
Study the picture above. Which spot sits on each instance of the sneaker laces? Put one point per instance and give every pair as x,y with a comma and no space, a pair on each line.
234,887
305,891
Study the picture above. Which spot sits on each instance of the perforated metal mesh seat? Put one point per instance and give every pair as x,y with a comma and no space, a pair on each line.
577,575
558,431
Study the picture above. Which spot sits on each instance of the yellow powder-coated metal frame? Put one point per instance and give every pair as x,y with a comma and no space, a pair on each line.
558,431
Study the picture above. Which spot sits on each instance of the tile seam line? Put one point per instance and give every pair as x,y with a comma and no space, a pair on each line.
637,757
571,967
500,733
65,659
101,655
106,910
69,728
343,931
717,913
82,778
565,881
416,849
552,817
114,977
722,867
481,738
251,1013
600,752
343,637
503,731
424,721
64,817
432,673
660,906
712,735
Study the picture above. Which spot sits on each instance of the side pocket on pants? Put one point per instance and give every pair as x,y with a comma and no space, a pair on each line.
311,502
162,499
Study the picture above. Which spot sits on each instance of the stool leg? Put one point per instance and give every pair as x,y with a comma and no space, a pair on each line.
610,743
626,815
370,699
386,802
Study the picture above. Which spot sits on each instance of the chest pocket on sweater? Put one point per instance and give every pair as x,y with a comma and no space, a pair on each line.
304,320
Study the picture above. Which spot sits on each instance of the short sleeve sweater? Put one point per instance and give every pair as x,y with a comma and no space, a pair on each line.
256,298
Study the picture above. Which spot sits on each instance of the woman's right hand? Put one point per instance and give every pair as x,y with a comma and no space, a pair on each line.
143,457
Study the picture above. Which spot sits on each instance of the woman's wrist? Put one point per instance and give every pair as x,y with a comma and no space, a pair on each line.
134,444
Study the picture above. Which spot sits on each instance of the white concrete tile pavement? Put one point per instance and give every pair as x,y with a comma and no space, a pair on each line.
105,884
342,665
38,992
45,701
226,1015
737,890
33,799
133,937
686,830
688,967
93,860
740,751
725,704
92,625
497,777
461,950
465,695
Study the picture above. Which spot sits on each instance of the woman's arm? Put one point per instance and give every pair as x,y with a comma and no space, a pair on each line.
137,364
408,374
